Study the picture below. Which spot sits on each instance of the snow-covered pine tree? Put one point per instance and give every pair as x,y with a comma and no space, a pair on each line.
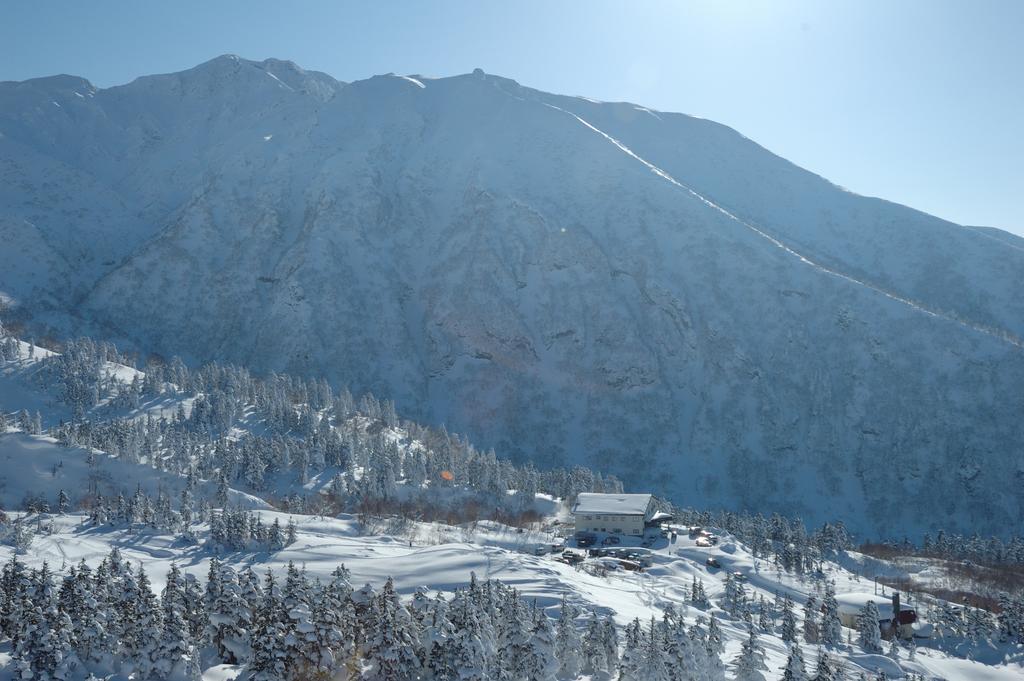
869,635
714,668
631,664
682,658
15,587
44,651
611,647
700,645
269,648
391,653
175,651
812,628
541,664
1007,618
594,661
296,596
789,631
213,579
697,594
230,619
437,633
195,612
950,620
89,617
144,621
124,600
568,644
795,669
828,669
979,625
276,539
750,662
654,666
735,597
831,625
466,658
331,648
764,619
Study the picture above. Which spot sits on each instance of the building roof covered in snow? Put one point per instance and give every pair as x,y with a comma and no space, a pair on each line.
612,504
853,603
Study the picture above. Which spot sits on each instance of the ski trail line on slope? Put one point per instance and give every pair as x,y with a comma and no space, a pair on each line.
1000,334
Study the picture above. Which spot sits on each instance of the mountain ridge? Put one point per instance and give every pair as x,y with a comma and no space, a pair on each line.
561,279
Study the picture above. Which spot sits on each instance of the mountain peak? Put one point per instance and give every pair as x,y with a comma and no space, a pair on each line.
58,83
231,70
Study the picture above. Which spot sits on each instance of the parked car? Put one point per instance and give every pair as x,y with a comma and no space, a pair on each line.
703,542
643,559
611,539
712,562
739,576
707,536
608,563
584,540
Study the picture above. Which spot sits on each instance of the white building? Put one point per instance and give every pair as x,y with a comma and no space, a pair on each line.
851,604
613,513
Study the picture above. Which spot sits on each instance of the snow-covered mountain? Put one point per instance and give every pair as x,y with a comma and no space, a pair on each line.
565,280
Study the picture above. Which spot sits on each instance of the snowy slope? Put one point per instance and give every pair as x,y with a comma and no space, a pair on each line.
37,465
437,557
323,544
564,280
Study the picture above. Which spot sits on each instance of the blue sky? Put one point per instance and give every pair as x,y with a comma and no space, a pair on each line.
917,102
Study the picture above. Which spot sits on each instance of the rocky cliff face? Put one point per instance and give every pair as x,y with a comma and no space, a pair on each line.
561,279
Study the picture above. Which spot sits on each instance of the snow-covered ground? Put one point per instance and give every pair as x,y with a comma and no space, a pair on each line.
442,559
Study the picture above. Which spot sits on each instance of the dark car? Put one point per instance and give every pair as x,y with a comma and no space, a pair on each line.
611,539
712,562
570,557
585,540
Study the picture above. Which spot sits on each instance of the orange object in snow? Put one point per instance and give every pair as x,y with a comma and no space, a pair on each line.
447,475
